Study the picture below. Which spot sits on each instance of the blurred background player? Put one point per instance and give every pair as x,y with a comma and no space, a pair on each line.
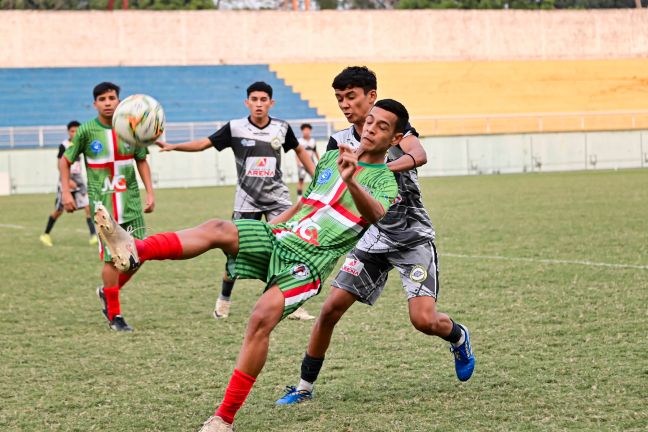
77,187
256,141
311,147
403,239
113,183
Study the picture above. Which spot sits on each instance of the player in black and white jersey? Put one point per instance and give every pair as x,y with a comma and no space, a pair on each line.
403,239
311,146
257,141
79,190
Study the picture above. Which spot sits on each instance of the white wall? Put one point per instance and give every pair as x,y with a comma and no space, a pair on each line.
34,171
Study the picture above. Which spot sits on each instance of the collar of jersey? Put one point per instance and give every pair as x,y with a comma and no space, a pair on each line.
260,128
368,165
101,124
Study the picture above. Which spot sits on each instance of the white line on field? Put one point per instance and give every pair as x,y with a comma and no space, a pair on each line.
12,226
547,261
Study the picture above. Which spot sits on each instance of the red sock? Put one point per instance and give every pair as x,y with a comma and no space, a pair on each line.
123,278
237,391
159,247
112,301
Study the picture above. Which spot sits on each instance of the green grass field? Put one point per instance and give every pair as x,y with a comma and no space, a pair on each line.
560,345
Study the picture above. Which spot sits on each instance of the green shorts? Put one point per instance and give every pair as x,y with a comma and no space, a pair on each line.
138,231
262,257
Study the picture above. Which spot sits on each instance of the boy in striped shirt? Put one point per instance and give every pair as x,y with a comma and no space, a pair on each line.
294,252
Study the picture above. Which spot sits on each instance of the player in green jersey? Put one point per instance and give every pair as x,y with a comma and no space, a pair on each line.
293,253
112,182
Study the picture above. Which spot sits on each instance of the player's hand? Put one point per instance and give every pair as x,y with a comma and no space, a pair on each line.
347,162
68,202
150,204
73,185
164,146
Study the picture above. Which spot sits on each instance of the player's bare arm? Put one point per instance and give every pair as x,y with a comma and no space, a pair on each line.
68,200
414,157
285,216
145,173
305,159
368,206
189,146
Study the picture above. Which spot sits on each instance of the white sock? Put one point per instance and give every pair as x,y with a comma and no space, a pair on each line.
305,385
461,340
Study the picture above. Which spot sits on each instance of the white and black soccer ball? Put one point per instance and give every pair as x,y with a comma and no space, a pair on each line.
139,120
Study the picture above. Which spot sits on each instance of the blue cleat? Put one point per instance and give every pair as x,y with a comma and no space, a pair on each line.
294,396
464,358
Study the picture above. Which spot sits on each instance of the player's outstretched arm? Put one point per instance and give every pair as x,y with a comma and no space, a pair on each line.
189,146
414,157
285,216
145,173
305,159
369,207
68,200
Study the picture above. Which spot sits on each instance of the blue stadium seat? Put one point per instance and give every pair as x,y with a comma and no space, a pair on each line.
54,96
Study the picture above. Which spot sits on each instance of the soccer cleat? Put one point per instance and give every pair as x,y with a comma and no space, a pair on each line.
294,396
93,240
104,303
46,240
121,243
301,314
463,357
118,323
216,424
222,307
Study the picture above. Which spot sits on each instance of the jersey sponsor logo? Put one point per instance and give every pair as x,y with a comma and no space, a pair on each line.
248,142
300,271
418,274
117,184
275,143
306,230
260,166
352,266
325,176
96,147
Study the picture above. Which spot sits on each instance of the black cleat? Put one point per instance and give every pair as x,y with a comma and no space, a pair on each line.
119,324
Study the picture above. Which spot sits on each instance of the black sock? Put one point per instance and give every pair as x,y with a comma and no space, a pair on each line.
91,226
50,224
310,368
455,334
227,287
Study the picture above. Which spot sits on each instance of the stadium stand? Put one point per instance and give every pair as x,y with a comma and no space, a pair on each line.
512,92
53,96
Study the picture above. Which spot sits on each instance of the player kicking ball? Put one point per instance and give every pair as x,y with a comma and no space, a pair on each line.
294,252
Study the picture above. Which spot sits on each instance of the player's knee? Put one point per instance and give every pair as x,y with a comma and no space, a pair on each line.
259,324
330,314
428,323
218,230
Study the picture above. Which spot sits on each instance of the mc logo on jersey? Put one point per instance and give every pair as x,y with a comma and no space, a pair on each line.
117,184
325,176
306,230
96,147
300,272
260,166
352,266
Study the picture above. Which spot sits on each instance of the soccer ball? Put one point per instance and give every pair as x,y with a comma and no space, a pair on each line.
139,120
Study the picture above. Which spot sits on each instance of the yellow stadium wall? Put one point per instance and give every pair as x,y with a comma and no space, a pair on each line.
98,38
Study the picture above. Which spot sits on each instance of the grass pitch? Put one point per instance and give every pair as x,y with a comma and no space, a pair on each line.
549,271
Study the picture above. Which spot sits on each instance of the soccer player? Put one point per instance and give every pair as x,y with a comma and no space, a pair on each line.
256,141
309,144
112,183
293,253
403,239
77,187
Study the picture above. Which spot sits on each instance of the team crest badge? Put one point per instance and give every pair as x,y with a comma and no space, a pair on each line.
96,147
325,176
275,143
300,271
418,274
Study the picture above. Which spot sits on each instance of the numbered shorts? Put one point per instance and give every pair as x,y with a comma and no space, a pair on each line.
138,231
80,197
364,274
261,257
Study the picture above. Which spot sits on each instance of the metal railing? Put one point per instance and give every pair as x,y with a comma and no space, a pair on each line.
478,124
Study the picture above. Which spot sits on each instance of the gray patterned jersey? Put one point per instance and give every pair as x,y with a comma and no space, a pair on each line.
406,223
258,161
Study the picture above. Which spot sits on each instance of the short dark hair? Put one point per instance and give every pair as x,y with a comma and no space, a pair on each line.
397,109
356,76
104,87
306,125
72,124
260,86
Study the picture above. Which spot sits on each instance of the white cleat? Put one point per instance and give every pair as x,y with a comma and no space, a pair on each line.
301,314
119,241
216,424
222,308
